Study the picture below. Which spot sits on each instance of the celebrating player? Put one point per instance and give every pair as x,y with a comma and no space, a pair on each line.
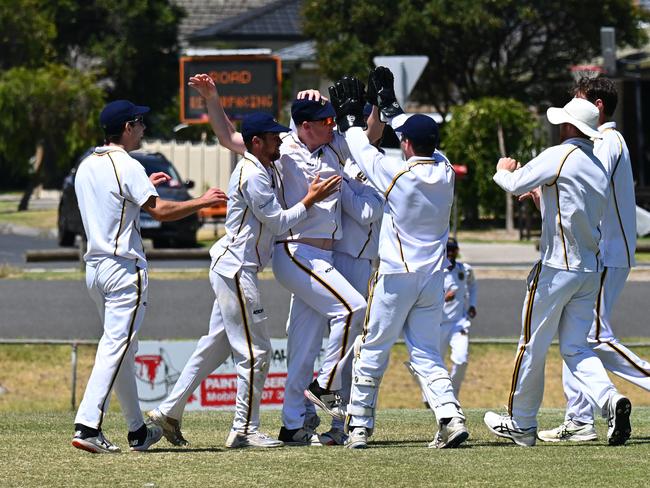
406,292
573,186
111,188
617,248
237,323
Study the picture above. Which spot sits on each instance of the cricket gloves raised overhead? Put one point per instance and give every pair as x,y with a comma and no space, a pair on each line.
348,96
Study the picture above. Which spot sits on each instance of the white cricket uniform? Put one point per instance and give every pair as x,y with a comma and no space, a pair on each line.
617,247
562,287
454,329
308,273
111,187
406,292
354,253
237,323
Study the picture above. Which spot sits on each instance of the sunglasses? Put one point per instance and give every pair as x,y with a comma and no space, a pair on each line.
327,122
138,119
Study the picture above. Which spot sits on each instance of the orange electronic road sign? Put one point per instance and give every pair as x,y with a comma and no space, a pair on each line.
245,83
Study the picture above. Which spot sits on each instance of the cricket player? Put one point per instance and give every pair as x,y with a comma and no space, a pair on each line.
406,292
459,308
573,188
237,323
617,248
111,189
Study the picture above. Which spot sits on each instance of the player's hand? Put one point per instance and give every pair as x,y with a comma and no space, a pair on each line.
471,312
348,98
159,178
535,195
204,84
381,92
450,295
320,190
507,164
311,95
213,197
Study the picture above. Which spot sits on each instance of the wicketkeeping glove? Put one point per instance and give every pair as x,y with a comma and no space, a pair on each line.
348,98
381,85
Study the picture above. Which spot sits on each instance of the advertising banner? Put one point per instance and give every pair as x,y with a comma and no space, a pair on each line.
158,365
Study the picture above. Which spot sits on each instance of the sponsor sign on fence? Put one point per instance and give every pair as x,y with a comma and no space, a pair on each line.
158,365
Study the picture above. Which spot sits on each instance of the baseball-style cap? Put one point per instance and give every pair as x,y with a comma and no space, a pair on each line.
578,112
452,244
420,128
259,123
115,114
307,110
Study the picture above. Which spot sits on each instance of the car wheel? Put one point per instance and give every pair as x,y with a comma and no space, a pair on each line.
65,238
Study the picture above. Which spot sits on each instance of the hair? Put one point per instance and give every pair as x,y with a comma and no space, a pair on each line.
599,88
248,140
424,147
112,138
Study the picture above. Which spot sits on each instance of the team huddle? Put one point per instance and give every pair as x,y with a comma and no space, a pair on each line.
323,204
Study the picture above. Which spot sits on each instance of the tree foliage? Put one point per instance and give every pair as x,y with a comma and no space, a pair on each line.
53,105
476,48
471,137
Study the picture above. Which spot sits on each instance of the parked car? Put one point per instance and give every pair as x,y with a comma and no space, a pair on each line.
180,233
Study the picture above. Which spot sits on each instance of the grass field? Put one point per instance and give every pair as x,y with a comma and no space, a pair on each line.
35,451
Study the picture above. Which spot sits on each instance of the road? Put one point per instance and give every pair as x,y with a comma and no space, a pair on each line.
180,309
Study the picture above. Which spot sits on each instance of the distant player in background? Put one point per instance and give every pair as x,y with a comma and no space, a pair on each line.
459,308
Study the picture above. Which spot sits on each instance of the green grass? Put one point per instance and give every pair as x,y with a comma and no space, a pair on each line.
36,451
40,219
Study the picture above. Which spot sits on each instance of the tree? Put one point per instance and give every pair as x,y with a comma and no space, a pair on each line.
471,137
476,48
131,43
55,107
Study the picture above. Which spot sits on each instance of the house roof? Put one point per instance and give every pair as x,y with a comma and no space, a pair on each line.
302,51
203,13
279,20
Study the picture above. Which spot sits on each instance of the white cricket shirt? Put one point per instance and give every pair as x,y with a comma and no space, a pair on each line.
363,208
111,187
575,189
459,279
418,194
619,222
294,172
254,218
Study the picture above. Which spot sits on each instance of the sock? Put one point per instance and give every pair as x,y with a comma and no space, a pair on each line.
86,431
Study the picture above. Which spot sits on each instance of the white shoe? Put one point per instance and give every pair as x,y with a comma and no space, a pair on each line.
357,438
96,444
252,439
171,427
450,435
569,431
618,420
502,426
333,437
154,434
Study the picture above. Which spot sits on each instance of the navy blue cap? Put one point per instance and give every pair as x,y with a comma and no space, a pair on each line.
260,122
117,113
307,110
420,128
452,244
367,110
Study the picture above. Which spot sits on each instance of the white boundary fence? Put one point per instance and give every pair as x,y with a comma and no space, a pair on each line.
207,165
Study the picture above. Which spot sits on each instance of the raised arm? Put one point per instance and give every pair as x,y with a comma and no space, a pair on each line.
221,125
518,179
167,210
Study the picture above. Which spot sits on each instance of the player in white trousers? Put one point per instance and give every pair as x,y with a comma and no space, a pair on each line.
563,286
617,247
254,217
111,189
353,255
459,308
406,292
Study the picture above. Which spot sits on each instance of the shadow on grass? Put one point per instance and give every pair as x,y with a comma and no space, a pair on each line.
184,450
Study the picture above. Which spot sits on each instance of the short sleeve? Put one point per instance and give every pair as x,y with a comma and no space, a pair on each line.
136,184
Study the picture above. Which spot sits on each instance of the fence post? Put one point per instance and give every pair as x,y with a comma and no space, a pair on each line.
73,399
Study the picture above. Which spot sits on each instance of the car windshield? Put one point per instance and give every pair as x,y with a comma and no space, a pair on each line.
156,163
